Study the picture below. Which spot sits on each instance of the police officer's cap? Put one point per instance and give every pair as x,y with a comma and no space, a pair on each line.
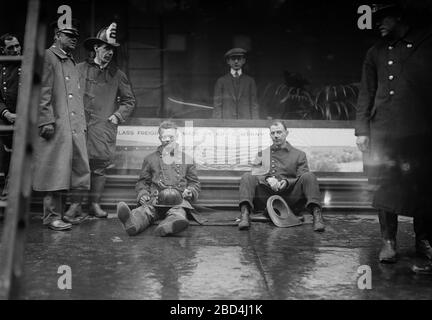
72,29
380,10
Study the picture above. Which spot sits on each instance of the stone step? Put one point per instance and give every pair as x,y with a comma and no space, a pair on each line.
338,193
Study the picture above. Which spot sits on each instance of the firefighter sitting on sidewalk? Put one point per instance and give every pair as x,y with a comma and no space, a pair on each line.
282,170
167,185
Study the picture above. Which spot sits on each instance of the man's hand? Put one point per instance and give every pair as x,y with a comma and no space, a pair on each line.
187,194
273,183
47,131
283,184
10,116
363,143
113,119
144,199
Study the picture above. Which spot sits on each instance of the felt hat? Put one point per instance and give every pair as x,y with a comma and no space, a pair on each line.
280,213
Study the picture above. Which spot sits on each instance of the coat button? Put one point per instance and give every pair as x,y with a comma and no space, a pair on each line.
391,92
390,62
391,77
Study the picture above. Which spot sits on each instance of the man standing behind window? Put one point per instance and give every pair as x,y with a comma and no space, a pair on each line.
235,94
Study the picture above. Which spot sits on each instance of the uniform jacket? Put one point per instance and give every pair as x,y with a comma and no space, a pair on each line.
157,174
235,98
284,163
394,110
9,84
106,92
61,105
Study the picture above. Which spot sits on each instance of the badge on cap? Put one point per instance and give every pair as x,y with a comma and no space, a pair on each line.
111,33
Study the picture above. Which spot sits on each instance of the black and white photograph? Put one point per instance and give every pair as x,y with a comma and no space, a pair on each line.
215,155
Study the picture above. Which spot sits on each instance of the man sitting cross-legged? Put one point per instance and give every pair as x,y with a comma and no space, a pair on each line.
282,170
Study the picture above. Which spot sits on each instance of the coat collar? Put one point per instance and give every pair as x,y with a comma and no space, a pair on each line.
111,68
60,53
286,145
160,148
413,36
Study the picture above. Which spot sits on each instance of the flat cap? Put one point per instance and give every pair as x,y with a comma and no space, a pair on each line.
235,52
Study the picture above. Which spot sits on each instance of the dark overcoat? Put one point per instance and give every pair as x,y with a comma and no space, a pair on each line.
394,110
61,163
106,92
178,172
235,98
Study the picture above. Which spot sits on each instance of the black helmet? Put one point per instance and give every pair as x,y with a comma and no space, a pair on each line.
171,197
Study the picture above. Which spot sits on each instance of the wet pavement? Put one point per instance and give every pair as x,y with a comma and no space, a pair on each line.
220,262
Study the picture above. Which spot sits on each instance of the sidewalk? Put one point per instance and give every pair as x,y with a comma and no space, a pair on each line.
220,262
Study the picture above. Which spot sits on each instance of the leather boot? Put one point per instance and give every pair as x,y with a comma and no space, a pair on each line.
244,223
96,190
52,212
423,247
96,211
74,214
388,223
174,222
318,222
136,221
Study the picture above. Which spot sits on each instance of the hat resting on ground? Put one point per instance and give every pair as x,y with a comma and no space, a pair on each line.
280,213
107,35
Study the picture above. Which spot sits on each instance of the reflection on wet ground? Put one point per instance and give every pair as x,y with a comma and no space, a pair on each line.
220,262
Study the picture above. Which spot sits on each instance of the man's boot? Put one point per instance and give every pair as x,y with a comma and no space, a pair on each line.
52,212
97,187
318,221
423,247
74,214
135,221
388,224
174,222
244,223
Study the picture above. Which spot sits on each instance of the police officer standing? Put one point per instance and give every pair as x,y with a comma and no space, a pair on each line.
61,160
393,125
9,84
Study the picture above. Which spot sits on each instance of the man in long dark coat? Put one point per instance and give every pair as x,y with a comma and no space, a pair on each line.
108,101
235,94
9,83
61,160
393,126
